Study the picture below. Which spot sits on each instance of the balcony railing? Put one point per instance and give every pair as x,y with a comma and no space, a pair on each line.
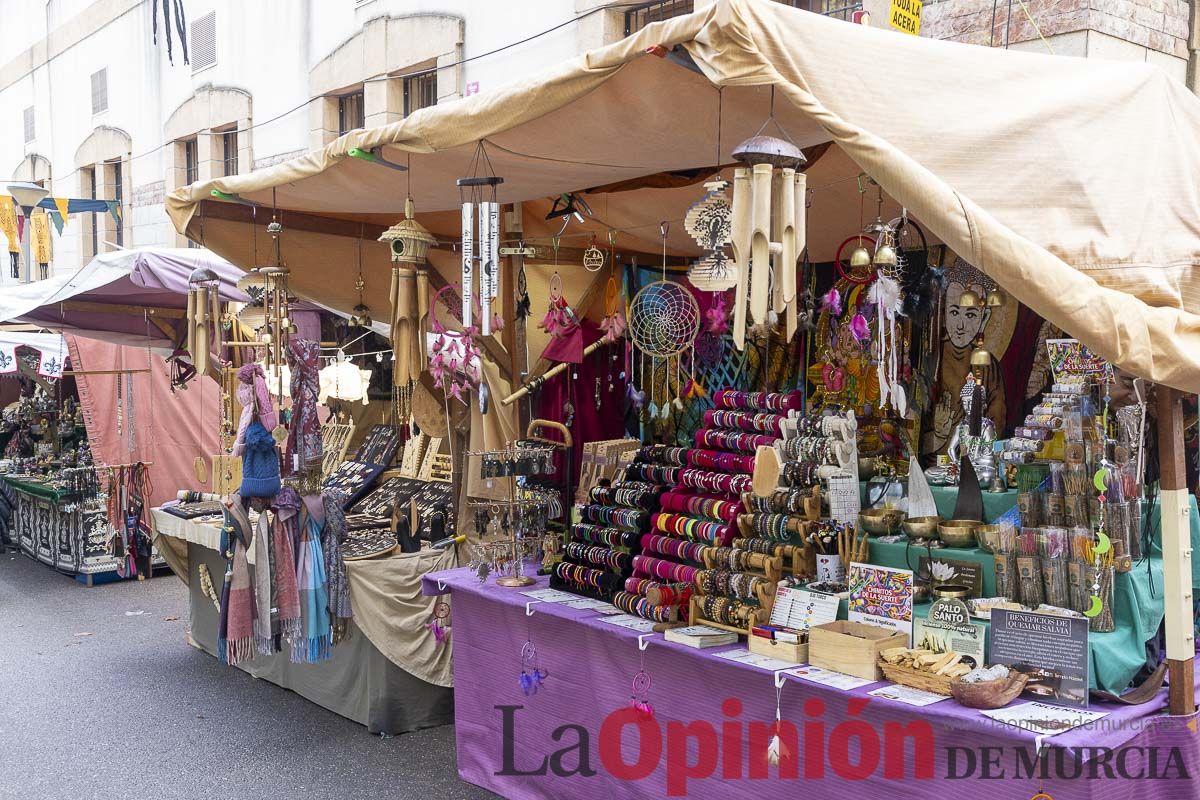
640,16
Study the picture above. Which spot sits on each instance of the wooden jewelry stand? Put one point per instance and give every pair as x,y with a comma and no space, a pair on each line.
756,617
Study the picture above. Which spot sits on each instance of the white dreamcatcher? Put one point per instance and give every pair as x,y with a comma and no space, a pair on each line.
664,319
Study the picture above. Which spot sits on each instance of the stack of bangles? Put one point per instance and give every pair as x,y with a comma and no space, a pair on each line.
715,481
725,462
662,454
771,526
696,530
652,473
640,586
753,421
600,556
759,401
695,505
676,548
672,594
628,518
731,584
764,546
663,570
808,448
609,537
781,501
733,440
639,606
725,610
729,558
810,426
581,575
799,473
630,494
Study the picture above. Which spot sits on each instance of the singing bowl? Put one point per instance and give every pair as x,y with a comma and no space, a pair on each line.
921,527
988,538
880,521
958,532
953,591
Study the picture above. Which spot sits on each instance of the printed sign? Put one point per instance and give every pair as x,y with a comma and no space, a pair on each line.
1071,357
1051,650
882,596
800,609
948,629
905,16
953,571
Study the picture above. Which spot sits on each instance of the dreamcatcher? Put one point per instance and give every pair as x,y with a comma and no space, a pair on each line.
453,356
613,325
664,319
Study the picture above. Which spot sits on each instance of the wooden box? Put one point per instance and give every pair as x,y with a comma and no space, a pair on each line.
851,647
784,651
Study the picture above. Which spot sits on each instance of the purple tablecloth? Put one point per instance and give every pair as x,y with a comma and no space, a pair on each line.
706,738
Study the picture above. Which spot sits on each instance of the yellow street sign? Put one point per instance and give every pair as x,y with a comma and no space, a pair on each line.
905,16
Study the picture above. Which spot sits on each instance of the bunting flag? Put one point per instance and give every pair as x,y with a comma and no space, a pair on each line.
21,228
8,358
59,221
51,364
62,205
8,224
114,208
41,239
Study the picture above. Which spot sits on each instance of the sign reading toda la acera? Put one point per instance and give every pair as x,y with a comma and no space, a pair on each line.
905,16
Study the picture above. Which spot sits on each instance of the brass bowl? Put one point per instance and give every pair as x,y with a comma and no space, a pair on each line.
988,538
958,532
880,521
954,591
921,527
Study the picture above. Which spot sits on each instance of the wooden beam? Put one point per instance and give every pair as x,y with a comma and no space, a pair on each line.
1177,554
89,307
165,329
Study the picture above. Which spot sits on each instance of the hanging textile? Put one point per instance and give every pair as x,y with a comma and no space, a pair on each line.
304,430
255,399
333,533
285,596
316,638
235,633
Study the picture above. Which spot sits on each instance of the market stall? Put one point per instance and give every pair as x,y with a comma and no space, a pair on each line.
910,449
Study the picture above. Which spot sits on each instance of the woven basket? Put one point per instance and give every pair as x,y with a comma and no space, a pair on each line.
915,678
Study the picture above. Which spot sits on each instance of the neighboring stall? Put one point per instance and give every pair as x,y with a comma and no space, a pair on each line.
890,462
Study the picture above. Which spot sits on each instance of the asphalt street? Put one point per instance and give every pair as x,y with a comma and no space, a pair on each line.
101,697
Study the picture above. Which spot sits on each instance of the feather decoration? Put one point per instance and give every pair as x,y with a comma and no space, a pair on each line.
859,328
831,301
885,293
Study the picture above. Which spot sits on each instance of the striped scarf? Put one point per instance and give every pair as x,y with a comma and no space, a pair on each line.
285,596
316,641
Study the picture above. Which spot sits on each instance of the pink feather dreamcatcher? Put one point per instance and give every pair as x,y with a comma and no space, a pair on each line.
455,356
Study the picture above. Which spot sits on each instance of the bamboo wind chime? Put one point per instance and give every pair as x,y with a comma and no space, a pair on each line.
409,243
203,321
769,233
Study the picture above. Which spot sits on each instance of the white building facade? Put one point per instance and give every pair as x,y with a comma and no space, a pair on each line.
93,107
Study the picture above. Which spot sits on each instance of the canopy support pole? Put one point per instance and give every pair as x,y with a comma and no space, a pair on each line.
1177,554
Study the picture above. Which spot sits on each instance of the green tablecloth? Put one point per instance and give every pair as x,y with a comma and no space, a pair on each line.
35,487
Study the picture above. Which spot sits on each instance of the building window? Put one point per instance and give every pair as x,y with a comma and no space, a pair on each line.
118,194
204,42
229,151
191,162
100,91
351,113
640,16
29,129
420,91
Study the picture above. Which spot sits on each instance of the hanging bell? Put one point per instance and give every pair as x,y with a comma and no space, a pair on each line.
970,299
860,257
996,298
885,256
980,357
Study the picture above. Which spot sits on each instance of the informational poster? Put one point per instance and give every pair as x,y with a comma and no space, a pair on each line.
905,16
882,596
1051,650
948,628
953,571
800,609
1070,357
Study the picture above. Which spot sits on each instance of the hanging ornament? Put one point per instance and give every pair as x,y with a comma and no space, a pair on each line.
479,192
438,623
203,317
532,676
593,257
709,221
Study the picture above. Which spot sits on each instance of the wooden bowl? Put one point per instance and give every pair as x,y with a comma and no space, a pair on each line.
989,694
958,532
880,521
921,527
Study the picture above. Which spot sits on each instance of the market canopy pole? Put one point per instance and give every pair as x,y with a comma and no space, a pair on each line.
1177,554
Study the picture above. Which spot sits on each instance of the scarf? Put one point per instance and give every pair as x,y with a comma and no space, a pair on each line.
255,398
304,432
285,597
263,570
235,638
335,569
316,641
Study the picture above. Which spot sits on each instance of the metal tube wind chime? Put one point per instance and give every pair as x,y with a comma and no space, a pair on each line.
480,247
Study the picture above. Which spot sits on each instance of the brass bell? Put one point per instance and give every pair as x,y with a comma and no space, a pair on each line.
885,256
980,357
996,298
970,299
860,257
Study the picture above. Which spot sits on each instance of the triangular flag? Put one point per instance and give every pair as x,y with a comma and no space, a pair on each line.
62,203
114,208
59,221
21,227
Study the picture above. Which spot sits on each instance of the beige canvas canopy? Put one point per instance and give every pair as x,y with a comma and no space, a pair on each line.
1074,183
